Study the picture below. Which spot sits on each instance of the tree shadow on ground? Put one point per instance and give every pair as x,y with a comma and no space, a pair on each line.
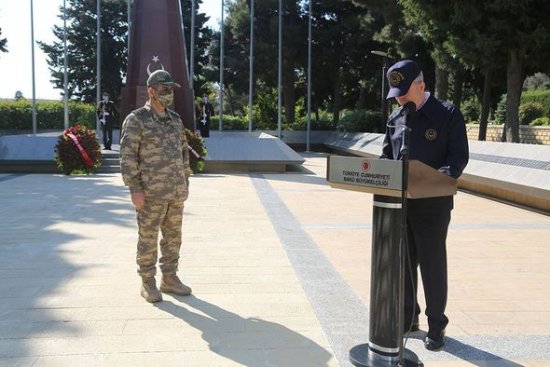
50,230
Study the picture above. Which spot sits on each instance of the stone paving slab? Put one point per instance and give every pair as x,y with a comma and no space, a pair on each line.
280,270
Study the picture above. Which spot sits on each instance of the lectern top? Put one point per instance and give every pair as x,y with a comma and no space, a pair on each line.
384,177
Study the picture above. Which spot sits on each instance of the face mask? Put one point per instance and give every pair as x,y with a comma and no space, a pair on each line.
166,98
105,99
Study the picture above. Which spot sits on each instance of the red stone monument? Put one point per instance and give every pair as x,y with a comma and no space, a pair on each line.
157,42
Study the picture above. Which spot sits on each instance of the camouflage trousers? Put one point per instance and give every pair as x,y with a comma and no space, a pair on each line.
166,216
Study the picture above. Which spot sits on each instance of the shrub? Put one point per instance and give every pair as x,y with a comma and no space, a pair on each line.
265,109
80,156
229,122
84,113
360,121
530,111
471,109
17,115
540,121
322,120
500,112
197,151
538,96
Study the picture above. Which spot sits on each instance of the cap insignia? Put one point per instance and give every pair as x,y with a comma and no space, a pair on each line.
395,78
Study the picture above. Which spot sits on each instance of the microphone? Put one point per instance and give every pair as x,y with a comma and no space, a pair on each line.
405,110
408,107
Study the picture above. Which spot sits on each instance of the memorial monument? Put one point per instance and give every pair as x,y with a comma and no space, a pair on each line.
157,42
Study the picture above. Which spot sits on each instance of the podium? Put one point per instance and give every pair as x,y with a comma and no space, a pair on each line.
385,179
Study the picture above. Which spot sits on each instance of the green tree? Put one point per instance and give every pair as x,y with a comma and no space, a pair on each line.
397,38
3,43
81,45
203,38
342,36
455,34
235,65
478,47
508,32
81,48
527,44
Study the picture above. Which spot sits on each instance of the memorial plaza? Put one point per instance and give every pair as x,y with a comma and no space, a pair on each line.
279,264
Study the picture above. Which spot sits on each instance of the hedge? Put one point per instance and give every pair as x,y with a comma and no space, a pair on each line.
538,96
17,115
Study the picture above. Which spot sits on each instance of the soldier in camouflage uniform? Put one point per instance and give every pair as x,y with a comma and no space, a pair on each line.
155,167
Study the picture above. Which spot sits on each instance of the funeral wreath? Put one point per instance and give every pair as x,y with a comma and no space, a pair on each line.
197,151
77,151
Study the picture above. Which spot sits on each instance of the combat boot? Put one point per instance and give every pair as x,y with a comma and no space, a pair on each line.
170,283
149,290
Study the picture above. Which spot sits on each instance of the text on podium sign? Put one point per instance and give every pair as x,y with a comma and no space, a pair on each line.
367,172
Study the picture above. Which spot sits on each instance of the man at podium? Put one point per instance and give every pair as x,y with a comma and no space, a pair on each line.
433,132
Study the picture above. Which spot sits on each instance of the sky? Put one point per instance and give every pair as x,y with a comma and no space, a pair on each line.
16,64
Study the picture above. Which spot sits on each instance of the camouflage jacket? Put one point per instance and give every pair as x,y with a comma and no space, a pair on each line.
154,155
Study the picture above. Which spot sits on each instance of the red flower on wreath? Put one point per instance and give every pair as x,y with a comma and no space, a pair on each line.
78,150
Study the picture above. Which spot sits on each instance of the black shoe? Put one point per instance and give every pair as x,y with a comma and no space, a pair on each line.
435,343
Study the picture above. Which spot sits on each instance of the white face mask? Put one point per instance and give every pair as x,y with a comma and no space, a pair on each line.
105,99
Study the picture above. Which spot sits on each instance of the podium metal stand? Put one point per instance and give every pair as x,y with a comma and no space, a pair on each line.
384,179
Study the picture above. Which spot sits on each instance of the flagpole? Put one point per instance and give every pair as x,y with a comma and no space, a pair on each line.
34,127
280,68
129,15
192,52
309,77
251,68
220,126
65,76
98,41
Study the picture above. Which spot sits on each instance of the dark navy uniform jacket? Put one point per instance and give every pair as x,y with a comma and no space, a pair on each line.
437,136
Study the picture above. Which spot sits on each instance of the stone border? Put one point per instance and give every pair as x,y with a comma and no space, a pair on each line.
527,134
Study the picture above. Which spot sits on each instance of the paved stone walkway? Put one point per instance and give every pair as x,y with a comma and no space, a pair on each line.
280,268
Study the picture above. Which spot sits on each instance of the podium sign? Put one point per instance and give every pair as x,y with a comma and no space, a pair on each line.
384,177
365,174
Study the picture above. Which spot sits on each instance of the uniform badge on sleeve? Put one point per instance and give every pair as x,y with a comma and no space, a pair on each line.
430,134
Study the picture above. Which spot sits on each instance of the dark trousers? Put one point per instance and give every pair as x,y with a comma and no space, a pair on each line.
427,225
204,128
107,132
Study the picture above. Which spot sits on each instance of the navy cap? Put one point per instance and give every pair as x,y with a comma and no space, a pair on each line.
400,77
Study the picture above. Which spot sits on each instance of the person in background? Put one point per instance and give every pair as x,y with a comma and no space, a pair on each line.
437,137
155,167
206,110
105,113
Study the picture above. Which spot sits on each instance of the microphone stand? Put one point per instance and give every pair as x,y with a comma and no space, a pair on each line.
410,359
385,347
404,242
